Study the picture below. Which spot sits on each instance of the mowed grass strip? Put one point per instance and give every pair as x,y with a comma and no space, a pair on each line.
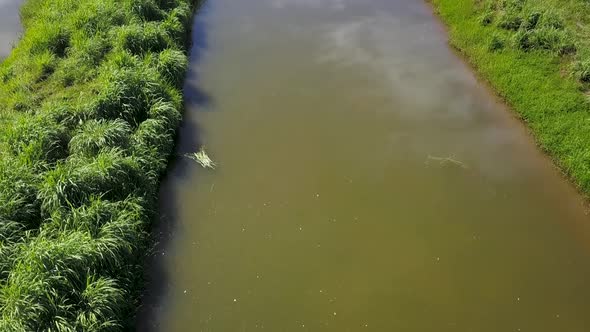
90,99
536,55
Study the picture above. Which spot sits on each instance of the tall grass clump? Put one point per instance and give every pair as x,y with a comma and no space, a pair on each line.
531,26
536,55
90,101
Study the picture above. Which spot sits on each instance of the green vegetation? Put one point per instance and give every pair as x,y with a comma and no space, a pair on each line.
202,158
536,55
90,101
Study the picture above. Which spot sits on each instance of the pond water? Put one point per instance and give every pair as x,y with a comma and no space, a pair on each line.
366,181
9,25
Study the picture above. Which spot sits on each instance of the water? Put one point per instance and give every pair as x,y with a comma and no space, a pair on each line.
366,182
9,25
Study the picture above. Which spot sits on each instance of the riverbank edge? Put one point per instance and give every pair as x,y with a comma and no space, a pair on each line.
82,153
534,85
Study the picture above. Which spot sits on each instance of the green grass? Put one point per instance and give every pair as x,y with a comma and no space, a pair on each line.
90,100
535,54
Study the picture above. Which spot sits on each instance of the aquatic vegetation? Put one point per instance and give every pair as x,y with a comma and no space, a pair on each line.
202,158
446,161
541,71
89,105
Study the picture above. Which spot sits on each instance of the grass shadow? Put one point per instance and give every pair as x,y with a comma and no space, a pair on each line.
157,290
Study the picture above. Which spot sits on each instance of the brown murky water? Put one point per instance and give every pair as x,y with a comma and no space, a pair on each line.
366,182
9,25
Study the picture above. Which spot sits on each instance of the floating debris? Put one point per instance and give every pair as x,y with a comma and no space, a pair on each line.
444,161
202,158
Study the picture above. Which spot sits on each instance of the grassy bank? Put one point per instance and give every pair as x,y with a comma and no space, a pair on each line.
90,99
536,55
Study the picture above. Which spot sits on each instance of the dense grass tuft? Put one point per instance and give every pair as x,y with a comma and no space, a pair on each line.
141,38
581,71
532,27
172,65
96,135
37,139
89,105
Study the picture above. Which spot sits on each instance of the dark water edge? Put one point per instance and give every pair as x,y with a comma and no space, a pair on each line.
187,141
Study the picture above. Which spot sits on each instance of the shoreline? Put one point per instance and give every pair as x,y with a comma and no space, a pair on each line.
472,55
89,110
